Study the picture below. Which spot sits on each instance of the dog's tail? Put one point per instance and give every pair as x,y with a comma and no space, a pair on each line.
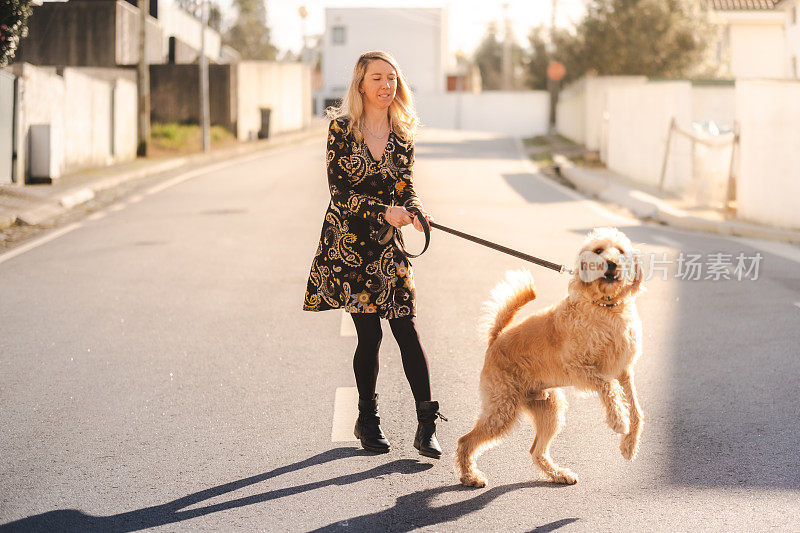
504,301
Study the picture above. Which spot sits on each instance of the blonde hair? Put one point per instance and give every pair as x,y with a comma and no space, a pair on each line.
402,113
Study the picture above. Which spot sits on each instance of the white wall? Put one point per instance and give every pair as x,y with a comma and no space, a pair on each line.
284,87
581,111
571,112
758,50
637,132
714,103
416,37
78,108
518,113
768,185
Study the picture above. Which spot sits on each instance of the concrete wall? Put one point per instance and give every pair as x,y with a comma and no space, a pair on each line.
283,87
87,33
571,112
714,103
79,110
768,184
581,110
637,132
186,29
519,113
175,94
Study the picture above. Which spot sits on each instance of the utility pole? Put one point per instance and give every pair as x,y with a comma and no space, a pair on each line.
204,107
143,81
506,49
552,85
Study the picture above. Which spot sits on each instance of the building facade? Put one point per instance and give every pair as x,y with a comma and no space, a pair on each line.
416,37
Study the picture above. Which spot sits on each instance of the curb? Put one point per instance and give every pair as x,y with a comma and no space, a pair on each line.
70,198
644,205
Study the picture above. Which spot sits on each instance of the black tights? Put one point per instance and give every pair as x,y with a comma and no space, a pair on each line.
365,361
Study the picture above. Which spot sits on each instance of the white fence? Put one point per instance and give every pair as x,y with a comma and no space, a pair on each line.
519,113
768,185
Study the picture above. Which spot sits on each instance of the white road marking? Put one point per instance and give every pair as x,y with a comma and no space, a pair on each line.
135,198
345,412
797,304
347,327
97,216
38,242
117,207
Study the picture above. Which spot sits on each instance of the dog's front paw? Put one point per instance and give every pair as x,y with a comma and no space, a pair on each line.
618,422
474,479
629,446
564,476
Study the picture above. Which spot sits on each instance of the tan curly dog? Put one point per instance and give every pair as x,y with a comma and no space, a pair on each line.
589,340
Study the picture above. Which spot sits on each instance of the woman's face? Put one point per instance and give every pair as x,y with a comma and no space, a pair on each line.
379,85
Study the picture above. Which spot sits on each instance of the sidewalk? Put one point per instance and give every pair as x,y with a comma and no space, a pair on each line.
34,204
649,202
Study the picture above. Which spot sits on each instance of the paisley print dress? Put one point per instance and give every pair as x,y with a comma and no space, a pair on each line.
351,270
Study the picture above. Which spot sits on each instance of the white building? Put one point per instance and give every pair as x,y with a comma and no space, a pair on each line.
416,37
760,39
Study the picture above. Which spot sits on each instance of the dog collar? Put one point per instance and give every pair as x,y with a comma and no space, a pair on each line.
601,304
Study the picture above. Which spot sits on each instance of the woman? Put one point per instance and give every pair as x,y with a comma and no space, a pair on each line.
370,158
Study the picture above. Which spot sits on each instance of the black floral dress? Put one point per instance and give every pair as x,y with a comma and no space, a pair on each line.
351,270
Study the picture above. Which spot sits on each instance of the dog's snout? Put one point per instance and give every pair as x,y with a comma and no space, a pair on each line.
611,266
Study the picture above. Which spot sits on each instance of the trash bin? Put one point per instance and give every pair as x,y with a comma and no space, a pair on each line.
263,133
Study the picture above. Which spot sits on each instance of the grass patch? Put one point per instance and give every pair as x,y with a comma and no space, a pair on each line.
173,137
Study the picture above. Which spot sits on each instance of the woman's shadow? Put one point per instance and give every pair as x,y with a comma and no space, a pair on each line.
172,512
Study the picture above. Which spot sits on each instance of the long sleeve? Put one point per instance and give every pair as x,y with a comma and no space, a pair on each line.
404,186
342,194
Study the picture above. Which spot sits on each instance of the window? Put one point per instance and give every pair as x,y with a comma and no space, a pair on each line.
338,35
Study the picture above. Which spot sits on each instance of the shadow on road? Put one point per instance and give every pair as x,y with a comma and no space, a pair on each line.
414,510
526,185
168,513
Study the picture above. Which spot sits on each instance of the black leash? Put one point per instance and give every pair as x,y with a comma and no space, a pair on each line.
388,231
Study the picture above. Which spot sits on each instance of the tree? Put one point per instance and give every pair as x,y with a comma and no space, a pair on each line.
489,58
250,35
13,27
656,38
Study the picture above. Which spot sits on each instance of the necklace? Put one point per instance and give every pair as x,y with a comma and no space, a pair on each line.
374,134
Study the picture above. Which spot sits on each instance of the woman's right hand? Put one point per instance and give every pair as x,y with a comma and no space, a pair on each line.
398,216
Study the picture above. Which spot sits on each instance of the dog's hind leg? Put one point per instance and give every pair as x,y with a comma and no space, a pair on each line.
548,417
496,419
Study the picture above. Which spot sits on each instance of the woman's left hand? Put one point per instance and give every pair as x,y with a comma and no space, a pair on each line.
418,224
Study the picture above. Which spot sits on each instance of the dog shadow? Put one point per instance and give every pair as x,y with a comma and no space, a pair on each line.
416,510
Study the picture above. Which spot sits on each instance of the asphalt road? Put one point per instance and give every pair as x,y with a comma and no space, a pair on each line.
157,371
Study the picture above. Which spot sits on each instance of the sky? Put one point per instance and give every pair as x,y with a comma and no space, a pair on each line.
467,24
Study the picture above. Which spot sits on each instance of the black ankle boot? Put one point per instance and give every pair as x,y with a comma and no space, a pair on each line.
425,439
368,426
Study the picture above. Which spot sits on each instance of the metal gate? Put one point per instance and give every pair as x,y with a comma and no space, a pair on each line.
6,126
